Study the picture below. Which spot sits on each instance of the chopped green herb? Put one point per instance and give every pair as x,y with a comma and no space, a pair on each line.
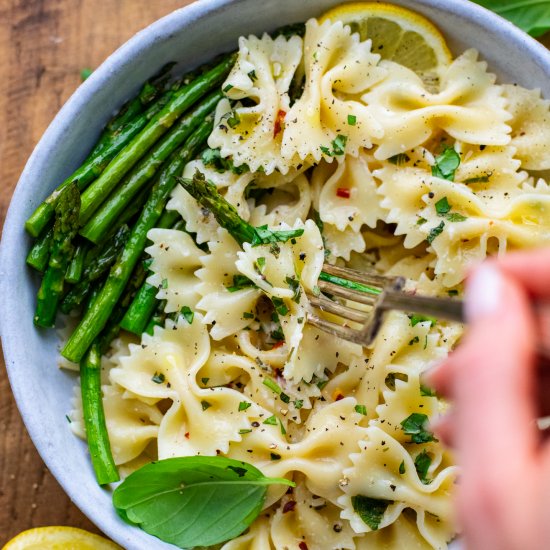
213,158
283,431
352,120
480,179
275,456
205,405
243,405
316,290
260,262
456,217
338,146
272,385
164,283
300,320
252,75
415,319
442,206
452,292
284,397
298,404
263,235
248,315
426,391
205,380
280,306
370,510
321,384
402,467
446,164
85,74
278,334
422,463
244,431
158,378
240,282
392,377
233,120
414,425
294,285
227,88
435,232
361,409
271,421
421,221
188,314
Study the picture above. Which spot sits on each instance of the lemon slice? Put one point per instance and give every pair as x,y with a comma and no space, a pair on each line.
399,35
59,538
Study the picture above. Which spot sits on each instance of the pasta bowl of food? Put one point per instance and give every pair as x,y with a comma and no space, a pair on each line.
180,221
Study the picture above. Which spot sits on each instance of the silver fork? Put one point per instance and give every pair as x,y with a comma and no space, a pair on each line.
377,291
382,294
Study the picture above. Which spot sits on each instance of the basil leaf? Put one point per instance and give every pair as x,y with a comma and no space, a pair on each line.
263,235
442,206
532,16
194,501
370,510
435,232
414,425
422,463
240,282
446,164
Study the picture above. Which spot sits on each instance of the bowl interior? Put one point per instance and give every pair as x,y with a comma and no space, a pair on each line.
42,391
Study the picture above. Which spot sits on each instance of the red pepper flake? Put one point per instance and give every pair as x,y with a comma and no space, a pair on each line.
339,396
187,435
289,506
303,546
279,121
278,344
343,192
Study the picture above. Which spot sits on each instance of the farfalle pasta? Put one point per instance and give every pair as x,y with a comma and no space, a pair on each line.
328,153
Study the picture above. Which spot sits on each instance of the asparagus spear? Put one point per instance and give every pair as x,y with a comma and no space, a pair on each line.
98,265
64,231
76,267
97,315
96,193
94,417
96,229
39,254
92,167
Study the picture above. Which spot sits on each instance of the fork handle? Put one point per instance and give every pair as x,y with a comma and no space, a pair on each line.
440,308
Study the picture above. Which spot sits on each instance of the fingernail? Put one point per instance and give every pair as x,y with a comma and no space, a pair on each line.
484,292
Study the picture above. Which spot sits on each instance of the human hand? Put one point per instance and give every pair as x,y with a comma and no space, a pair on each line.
494,381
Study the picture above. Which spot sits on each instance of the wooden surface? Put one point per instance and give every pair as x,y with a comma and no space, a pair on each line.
44,44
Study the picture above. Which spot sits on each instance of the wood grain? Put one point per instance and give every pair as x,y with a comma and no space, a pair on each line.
44,44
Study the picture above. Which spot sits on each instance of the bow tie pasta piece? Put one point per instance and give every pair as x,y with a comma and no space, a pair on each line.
262,75
346,197
530,126
328,120
469,107
226,307
257,537
175,260
376,488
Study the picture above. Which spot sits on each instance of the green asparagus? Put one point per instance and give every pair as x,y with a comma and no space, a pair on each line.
96,229
39,254
96,193
76,267
97,315
64,231
94,418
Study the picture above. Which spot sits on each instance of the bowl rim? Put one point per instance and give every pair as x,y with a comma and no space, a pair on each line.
140,42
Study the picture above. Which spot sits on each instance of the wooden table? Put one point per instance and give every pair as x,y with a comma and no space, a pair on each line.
44,44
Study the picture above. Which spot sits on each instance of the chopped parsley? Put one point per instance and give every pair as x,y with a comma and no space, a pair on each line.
298,403
214,159
479,179
361,409
243,405
402,467
271,421
188,314
260,262
233,119
442,206
370,510
338,146
158,378
352,120
272,385
435,232
205,380
456,217
263,235
227,88
252,75
446,164
422,463
414,425
280,306
415,319
426,391
240,282
205,405
421,221
294,285
248,315
164,284
245,431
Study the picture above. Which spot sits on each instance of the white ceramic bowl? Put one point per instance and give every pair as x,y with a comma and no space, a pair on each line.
190,36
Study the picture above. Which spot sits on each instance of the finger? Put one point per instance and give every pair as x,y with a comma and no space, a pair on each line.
440,377
444,429
495,430
530,269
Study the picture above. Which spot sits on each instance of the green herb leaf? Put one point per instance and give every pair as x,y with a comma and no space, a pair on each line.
298,403
248,315
338,146
272,385
402,469
415,319
435,232
245,431
167,499
205,380
477,179
426,391
243,405
260,262
214,159
422,463
456,217
352,120
414,425
240,282
263,235
205,405
233,119
271,421
446,164
188,314
227,88
252,75
164,284
361,409
158,378
442,206
294,285
280,306
532,16
370,510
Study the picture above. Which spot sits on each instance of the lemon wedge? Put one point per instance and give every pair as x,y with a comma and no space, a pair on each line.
399,35
59,538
